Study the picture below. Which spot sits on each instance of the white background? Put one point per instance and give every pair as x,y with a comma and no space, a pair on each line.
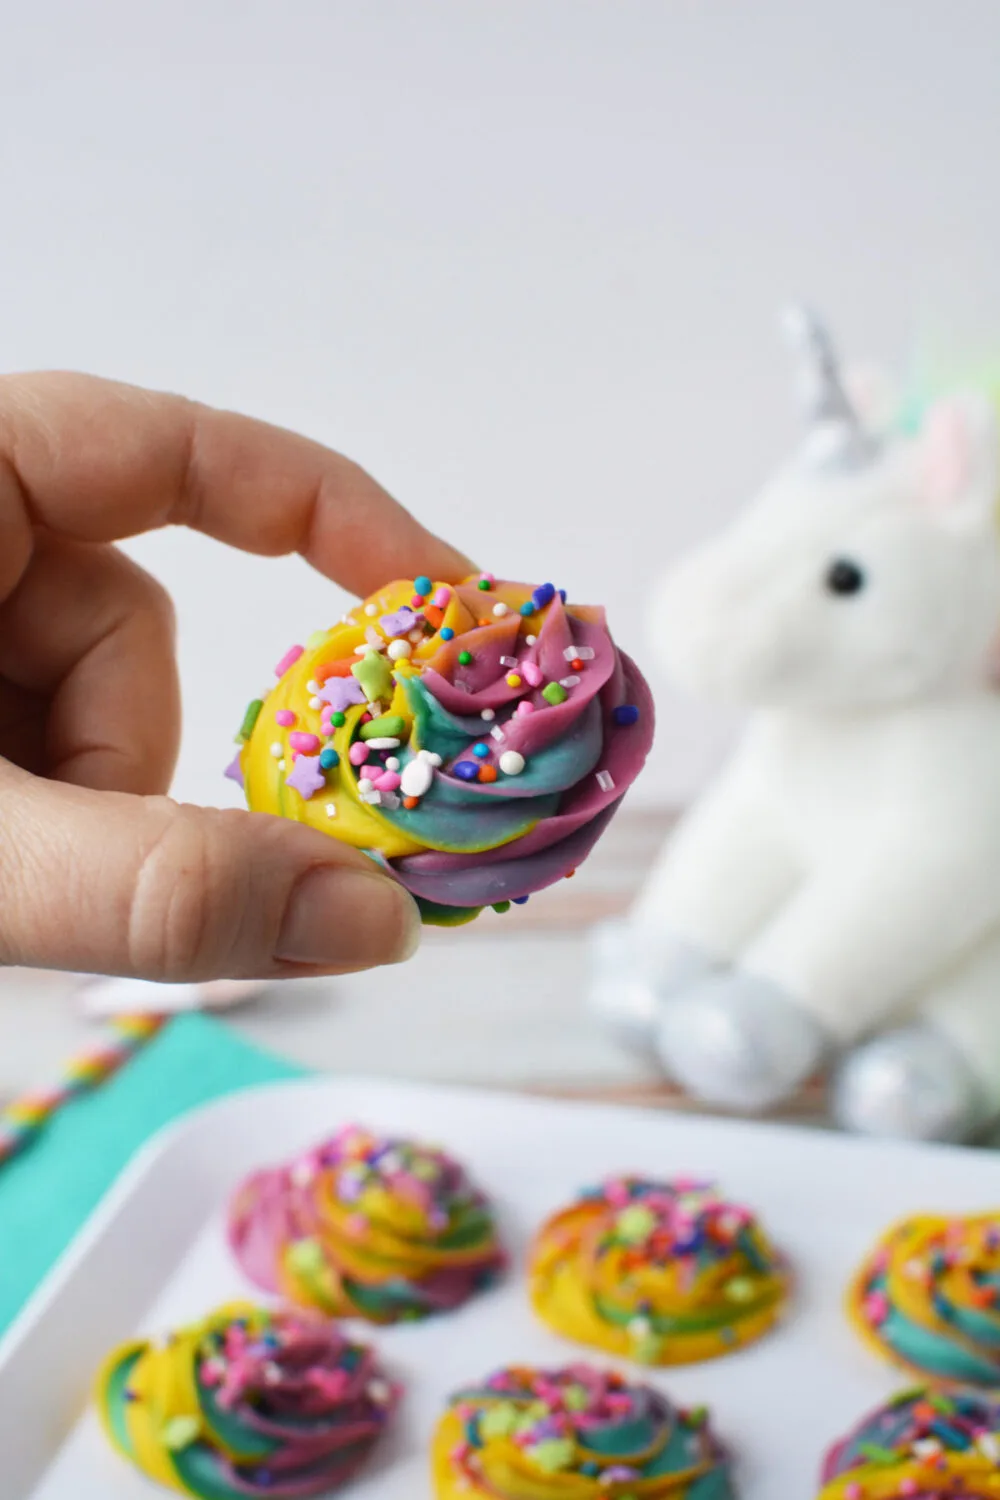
520,258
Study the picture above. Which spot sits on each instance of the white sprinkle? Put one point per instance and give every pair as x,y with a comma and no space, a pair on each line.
281,765
530,640
511,763
488,714
312,687
368,646
316,703
416,636
927,1447
277,749
509,661
496,733
350,620
373,638
371,609
501,609
568,682
639,1327
331,809
383,743
303,1172
379,1391
398,650
367,793
605,781
581,653
389,800
392,764
272,1373
989,1445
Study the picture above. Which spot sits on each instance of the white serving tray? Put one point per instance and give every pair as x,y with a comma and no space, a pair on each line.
154,1254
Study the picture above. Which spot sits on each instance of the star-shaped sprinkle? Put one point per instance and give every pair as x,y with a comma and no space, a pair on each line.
341,693
234,771
307,777
399,623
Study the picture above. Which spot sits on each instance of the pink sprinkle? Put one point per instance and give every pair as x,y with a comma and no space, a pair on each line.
853,1491
525,707
289,659
388,781
211,1372
908,1486
306,744
531,673
370,771
285,718
441,598
617,1194
876,1307
358,753
416,602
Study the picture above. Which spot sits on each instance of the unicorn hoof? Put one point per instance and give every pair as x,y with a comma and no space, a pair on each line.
913,1084
739,1042
625,993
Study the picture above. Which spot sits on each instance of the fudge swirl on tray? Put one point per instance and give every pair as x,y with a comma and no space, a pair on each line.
246,1402
576,1433
928,1297
660,1272
369,1227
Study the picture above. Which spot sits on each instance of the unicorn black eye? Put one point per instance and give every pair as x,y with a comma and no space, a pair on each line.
843,576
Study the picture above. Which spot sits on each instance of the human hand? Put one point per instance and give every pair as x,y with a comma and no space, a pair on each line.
99,871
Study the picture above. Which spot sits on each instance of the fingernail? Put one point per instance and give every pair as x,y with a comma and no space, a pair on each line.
346,918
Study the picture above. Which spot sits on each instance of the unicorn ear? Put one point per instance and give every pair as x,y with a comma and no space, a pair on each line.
959,453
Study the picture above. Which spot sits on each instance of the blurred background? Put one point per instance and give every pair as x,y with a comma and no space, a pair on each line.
522,260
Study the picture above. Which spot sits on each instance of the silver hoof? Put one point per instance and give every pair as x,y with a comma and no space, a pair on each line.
912,1084
739,1042
626,990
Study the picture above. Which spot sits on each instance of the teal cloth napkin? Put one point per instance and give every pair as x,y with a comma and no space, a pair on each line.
48,1190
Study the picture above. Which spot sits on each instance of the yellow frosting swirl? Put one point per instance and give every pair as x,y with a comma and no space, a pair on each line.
664,1273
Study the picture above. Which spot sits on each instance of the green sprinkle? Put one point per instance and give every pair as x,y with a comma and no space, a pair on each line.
552,1455
338,720
877,1454
499,1421
388,727
250,718
943,1404
635,1224
501,906
317,639
373,673
464,658
180,1432
740,1289
484,584
554,692
696,1416
305,1257
575,1398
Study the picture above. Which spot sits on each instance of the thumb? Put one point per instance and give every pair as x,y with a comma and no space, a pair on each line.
147,887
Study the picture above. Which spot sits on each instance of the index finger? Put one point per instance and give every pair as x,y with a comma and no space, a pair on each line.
97,461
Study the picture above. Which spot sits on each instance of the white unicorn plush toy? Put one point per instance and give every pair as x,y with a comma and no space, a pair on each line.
834,897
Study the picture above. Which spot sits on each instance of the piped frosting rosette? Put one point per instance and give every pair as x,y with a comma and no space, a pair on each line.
923,1445
574,1434
928,1296
662,1272
475,739
367,1227
246,1402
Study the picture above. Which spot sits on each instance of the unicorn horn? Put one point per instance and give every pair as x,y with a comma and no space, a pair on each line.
835,438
